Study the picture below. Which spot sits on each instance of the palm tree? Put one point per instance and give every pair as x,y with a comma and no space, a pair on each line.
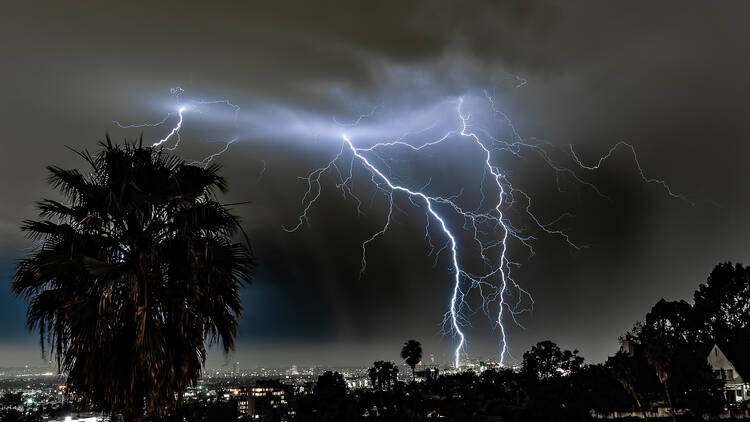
624,369
411,353
383,373
133,274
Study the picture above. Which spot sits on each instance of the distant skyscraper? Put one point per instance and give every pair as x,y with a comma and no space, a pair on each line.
236,371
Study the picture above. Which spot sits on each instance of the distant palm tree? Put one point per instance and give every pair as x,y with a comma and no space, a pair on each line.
132,274
412,354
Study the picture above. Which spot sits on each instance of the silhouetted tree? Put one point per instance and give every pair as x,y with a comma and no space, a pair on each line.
595,387
330,399
132,273
383,374
11,399
674,321
372,373
659,356
11,415
330,385
625,369
722,310
723,302
545,360
673,342
411,353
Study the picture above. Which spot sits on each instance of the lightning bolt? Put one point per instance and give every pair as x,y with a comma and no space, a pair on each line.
472,219
175,132
428,200
496,285
488,224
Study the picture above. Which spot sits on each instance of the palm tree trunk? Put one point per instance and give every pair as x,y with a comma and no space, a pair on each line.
640,407
669,401
638,402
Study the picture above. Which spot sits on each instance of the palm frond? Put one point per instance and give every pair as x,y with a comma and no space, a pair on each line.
134,273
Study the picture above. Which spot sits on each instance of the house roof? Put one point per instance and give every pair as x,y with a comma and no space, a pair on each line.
736,359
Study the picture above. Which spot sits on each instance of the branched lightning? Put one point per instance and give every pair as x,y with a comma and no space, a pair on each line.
491,230
489,227
637,163
455,317
175,133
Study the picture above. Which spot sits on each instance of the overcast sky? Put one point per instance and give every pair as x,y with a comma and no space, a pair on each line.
670,78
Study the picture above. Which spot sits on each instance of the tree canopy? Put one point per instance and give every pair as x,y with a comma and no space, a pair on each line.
411,353
132,273
546,360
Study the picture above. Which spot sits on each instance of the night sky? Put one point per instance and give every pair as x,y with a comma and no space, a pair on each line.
668,77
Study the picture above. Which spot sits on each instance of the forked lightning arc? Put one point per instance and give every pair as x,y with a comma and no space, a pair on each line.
488,224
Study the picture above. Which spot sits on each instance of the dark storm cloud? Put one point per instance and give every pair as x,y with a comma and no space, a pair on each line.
667,76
